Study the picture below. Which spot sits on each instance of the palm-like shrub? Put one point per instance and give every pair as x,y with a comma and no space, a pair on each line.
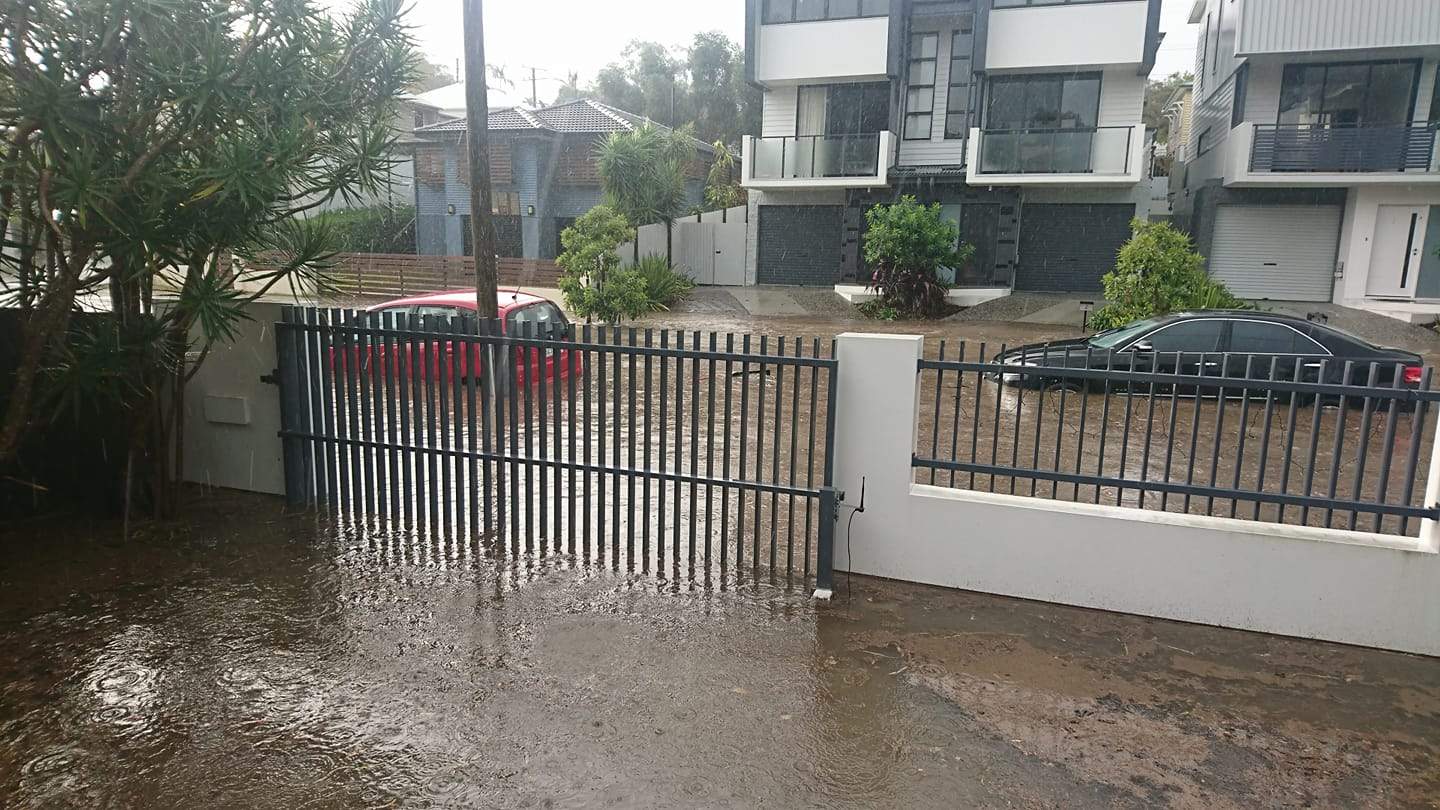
663,286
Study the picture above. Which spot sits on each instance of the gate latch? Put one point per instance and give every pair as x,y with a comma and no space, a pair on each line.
273,378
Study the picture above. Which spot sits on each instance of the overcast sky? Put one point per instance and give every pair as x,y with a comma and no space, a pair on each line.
558,36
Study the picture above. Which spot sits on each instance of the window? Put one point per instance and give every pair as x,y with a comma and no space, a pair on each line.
957,99
1348,94
1256,337
1435,99
852,109
1201,53
786,11
1026,3
1187,336
1219,22
1044,101
432,311
920,86
1237,102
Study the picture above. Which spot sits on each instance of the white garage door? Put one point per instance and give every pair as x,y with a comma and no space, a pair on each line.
1281,252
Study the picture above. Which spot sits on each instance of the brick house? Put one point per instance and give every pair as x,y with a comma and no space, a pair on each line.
542,171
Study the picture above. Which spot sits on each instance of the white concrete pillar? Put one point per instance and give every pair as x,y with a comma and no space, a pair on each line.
876,410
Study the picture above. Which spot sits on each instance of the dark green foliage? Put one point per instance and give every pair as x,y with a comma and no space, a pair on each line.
906,244
1158,272
594,286
377,229
663,286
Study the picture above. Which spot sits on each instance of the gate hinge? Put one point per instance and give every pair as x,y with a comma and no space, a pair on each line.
273,378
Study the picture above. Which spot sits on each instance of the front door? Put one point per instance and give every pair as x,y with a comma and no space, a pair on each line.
1395,253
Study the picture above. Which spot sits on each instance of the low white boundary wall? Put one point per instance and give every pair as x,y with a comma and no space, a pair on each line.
1352,587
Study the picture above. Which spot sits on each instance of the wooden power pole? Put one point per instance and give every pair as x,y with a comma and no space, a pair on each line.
477,137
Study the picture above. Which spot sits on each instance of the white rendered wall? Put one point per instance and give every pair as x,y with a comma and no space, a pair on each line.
811,52
1339,586
1066,35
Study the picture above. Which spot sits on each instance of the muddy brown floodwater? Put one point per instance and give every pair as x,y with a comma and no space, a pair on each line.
250,658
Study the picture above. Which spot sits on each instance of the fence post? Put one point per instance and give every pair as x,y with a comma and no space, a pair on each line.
825,549
288,366
1430,527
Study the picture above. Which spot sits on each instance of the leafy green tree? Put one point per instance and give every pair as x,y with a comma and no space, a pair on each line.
375,229
1156,94
706,87
906,244
1158,272
643,174
593,284
148,145
721,189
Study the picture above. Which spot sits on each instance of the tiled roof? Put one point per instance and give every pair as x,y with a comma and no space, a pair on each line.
581,116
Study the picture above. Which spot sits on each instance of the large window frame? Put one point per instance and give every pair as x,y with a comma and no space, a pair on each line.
960,68
917,44
1287,72
1028,79
784,12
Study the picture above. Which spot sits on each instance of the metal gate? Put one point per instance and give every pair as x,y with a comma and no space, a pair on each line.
688,454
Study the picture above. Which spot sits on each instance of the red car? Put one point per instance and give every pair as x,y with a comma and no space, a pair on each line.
516,309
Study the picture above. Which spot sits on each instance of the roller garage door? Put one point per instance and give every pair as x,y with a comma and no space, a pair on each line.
1068,247
1281,252
800,244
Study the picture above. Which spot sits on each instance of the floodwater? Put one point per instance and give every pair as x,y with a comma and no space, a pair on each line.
250,658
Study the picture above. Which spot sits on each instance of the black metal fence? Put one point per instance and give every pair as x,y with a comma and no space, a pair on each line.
1321,442
698,455
1341,148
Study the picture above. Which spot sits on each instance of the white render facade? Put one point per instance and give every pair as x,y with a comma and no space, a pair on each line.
1021,118
1312,171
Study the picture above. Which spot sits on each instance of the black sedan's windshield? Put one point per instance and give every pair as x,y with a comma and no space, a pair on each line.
1121,335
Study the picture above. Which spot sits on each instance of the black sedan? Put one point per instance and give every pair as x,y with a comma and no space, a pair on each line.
1214,343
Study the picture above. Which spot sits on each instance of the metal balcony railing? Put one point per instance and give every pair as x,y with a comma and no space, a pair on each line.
1087,150
1343,148
816,156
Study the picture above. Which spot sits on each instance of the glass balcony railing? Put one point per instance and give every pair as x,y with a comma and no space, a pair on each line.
1089,150
816,156
1339,148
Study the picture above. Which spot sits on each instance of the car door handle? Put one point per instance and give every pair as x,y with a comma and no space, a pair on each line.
1211,364
1314,365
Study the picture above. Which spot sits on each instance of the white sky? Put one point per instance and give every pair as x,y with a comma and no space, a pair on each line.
559,36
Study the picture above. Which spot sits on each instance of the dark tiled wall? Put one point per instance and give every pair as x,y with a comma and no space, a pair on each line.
800,244
1067,247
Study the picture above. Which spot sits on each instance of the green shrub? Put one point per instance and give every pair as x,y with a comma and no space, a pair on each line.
378,229
663,286
878,310
620,295
1158,272
593,284
906,244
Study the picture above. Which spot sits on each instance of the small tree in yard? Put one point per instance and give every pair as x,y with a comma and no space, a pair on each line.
721,190
149,145
906,244
1158,272
594,284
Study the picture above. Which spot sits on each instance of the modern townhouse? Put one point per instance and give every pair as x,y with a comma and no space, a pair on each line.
1022,118
1310,172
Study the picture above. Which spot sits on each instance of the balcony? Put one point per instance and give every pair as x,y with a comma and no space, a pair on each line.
1086,156
1318,155
818,161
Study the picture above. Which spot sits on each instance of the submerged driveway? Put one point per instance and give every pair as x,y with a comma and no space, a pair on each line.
250,658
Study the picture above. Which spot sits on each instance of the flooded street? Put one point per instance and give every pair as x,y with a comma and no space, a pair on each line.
249,658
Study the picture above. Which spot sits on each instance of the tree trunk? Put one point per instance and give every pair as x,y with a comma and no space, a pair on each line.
669,243
477,124
51,318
